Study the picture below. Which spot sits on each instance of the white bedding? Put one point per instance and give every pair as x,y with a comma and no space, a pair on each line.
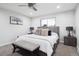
46,42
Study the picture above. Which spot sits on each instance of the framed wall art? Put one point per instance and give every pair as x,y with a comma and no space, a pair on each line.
15,20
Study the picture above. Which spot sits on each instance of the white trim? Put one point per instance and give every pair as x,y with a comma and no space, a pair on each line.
78,50
5,44
61,41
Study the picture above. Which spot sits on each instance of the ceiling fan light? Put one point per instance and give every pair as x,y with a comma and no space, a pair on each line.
58,6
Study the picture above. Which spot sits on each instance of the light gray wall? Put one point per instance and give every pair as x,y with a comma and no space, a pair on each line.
9,32
62,20
77,26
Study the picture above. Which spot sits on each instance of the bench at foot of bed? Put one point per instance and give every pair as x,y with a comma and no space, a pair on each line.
26,46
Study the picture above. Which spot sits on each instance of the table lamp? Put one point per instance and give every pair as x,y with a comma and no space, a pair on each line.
69,29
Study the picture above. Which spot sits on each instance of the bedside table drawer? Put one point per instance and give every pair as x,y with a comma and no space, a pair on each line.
71,41
67,41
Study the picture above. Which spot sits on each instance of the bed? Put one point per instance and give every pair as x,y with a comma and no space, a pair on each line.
47,44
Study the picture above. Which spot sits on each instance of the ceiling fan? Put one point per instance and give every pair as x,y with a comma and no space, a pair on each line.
30,5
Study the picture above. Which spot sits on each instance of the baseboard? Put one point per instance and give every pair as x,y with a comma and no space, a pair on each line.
5,44
61,41
78,50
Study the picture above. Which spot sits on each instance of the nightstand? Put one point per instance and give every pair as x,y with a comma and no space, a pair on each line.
71,41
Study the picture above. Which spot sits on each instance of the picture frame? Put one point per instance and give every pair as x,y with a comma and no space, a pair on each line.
15,20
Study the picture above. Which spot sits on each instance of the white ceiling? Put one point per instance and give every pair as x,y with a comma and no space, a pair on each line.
43,8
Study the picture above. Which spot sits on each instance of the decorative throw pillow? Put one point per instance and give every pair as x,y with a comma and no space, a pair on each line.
49,33
38,31
44,32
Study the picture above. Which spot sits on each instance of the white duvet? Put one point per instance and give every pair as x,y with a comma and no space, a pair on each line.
46,42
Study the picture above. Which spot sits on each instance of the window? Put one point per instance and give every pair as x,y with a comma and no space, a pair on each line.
48,22
43,22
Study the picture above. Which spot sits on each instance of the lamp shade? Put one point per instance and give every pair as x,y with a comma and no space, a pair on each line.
69,28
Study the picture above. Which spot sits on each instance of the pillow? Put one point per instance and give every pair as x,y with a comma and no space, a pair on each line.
49,33
53,33
38,31
44,32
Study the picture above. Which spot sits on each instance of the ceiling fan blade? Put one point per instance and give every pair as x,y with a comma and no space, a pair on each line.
30,5
34,8
22,5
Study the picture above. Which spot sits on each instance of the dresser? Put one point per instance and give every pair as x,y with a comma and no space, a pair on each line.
71,41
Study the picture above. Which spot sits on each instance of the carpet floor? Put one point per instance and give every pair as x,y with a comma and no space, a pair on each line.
62,50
